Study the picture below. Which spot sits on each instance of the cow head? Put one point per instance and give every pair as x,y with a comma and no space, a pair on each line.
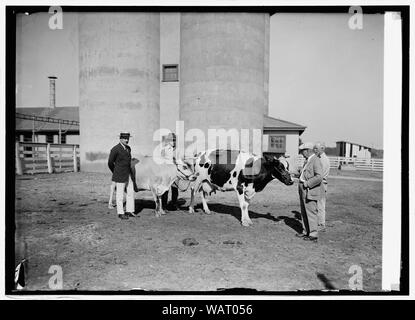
185,170
280,170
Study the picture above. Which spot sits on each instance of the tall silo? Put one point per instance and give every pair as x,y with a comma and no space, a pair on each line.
223,72
119,83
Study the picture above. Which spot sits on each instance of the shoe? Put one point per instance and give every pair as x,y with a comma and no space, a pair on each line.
130,214
135,188
123,216
310,238
300,235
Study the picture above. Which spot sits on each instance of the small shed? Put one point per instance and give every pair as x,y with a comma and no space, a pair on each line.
281,137
352,150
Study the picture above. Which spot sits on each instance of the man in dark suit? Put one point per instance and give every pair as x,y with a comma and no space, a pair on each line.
310,189
119,162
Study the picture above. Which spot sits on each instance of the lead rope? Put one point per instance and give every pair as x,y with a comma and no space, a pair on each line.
181,183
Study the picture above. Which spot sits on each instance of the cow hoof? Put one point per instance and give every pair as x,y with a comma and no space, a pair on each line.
191,210
246,223
208,212
163,212
158,215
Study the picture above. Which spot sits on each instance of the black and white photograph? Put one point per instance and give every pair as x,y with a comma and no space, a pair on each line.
191,150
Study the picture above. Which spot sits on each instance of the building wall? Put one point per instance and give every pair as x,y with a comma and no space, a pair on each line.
347,153
72,139
291,144
360,152
169,54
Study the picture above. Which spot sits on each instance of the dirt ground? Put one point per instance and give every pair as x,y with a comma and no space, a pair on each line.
63,219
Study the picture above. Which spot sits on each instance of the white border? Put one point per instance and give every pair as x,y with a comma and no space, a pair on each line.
391,147
391,246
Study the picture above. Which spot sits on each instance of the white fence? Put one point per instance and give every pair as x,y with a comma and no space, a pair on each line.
34,158
352,163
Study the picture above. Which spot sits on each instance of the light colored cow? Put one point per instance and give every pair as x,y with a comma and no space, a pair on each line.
157,175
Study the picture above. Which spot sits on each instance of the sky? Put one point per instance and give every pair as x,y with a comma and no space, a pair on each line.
323,75
43,52
328,77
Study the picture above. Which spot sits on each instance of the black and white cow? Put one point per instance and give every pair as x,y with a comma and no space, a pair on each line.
243,172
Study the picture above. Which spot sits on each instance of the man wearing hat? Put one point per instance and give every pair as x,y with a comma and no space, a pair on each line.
119,162
310,189
319,150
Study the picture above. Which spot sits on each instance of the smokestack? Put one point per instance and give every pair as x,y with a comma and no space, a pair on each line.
52,92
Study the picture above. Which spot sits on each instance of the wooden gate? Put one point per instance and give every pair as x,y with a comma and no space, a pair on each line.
34,158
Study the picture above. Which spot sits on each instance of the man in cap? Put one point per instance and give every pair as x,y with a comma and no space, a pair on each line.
319,150
167,152
119,162
311,190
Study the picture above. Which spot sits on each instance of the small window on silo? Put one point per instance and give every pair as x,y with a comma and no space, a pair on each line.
170,72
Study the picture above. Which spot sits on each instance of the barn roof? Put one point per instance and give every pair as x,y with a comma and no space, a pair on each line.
62,113
271,123
72,114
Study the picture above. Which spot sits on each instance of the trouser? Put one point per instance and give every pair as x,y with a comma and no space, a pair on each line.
130,197
309,213
174,196
321,207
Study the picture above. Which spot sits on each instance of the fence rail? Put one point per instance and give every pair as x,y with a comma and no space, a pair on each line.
351,163
34,158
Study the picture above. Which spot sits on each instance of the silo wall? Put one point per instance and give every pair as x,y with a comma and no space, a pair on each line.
223,73
119,83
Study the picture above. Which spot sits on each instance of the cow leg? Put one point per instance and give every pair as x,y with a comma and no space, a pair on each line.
205,206
245,220
161,205
248,219
157,202
192,198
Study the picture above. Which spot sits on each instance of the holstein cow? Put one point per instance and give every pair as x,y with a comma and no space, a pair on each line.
158,176
243,172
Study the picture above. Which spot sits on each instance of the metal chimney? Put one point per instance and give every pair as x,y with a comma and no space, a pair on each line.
52,92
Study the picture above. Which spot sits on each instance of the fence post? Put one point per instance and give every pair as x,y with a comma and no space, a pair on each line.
75,161
49,159
19,169
373,165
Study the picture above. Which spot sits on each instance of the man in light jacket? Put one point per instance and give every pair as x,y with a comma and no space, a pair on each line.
310,189
319,150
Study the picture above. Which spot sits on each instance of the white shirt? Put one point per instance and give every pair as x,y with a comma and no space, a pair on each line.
305,165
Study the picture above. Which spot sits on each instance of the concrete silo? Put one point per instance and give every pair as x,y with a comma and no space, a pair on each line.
119,83
223,71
